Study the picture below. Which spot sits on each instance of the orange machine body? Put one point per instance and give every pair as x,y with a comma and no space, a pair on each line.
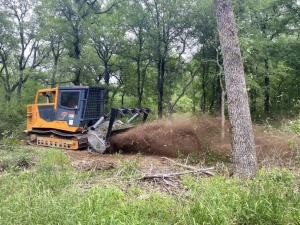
52,121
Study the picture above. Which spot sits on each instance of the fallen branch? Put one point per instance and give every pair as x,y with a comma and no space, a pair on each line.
190,167
152,176
179,164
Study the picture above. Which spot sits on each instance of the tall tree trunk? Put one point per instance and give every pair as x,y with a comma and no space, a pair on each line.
4,76
242,139
267,89
222,98
194,99
76,55
222,111
139,89
19,89
203,98
253,96
56,53
213,94
76,80
160,86
53,75
106,81
169,104
218,95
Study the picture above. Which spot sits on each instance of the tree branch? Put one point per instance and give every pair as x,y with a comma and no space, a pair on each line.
162,176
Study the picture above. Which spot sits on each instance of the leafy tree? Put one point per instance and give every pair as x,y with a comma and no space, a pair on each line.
136,45
186,72
53,36
30,52
73,17
262,24
7,47
106,38
170,22
206,35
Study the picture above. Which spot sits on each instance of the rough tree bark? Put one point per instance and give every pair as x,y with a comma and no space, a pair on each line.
242,139
223,93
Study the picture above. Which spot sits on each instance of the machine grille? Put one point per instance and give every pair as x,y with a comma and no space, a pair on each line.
94,103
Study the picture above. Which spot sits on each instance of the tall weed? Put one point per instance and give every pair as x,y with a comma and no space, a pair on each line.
271,198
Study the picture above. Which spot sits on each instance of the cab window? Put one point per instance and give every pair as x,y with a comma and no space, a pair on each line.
69,99
45,98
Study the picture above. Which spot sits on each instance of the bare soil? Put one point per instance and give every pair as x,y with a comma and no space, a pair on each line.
178,140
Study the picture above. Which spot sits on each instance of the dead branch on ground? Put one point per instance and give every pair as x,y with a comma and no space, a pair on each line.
167,175
205,170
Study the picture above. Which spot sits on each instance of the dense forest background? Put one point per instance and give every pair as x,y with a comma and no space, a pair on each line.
161,54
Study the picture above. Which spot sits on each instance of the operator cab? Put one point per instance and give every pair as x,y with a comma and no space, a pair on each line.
79,106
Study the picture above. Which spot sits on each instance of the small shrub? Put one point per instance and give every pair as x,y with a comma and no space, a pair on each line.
193,158
15,160
9,139
293,126
212,157
180,154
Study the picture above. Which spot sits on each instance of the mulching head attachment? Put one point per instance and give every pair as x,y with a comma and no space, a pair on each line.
99,133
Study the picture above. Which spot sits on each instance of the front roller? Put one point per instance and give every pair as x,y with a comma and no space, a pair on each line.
100,132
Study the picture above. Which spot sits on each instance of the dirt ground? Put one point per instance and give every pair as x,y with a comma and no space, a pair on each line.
153,143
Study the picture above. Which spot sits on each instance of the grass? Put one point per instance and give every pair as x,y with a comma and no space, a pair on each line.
48,190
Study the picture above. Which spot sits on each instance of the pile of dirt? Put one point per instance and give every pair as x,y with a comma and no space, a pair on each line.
274,145
172,139
183,136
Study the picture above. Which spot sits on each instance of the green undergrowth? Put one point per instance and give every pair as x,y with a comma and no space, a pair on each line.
50,191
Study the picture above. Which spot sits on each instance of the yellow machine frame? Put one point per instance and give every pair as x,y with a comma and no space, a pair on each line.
34,120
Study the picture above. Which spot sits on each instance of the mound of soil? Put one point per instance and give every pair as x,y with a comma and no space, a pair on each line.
184,136
274,145
172,139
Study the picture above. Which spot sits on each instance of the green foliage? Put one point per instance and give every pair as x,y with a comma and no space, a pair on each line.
11,116
293,126
13,113
269,51
52,193
8,140
15,159
12,125
185,104
193,158
180,154
213,157
214,201
81,41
